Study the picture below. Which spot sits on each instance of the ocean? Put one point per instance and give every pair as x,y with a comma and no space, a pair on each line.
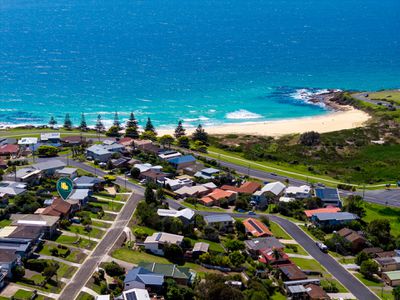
204,61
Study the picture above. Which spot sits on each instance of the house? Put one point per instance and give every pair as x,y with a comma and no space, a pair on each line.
217,196
146,166
329,209
175,184
372,251
392,278
6,141
31,234
298,192
207,173
12,188
143,279
296,292
126,141
356,240
87,182
103,153
333,219
186,214
316,292
146,145
156,242
21,247
73,140
182,162
8,259
292,272
181,275
387,264
135,294
222,222
249,187
28,175
328,196
386,254
199,248
9,150
192,191
272,191
67,172
49,167
81,195
268,256
254,246
47,223
169,154
50,137
256,228
120,163
58,208
27,141
193,169
153,175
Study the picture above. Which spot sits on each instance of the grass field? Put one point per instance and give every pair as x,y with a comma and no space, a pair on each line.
107,205
101,224
278,232
78,242
368,282
79,229
386,96
75,255
84,296
300,250
376,211
308,264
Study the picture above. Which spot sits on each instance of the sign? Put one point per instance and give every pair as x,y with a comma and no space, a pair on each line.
65,187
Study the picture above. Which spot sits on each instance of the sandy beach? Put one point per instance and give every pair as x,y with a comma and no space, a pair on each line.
334,121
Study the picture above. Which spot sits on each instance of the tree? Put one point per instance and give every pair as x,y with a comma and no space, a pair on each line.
99,124
135,172
52,121
47,150
83,125
132,127
200,135
214,287
276,253
173,253
116,122
113,269
396,293
234,245
149,126
18,272
184,142
200,147
240,227
310,138
379,233
149,195
361,257
50,270
368,268
242,202
179,130
113,131
148,135
265,220
166,140
67,122
237,258
355,205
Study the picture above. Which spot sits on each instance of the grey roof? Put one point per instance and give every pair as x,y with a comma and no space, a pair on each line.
68,171
7,256
263,243
339,216
296,289
12,188
16,245
200,247
217,218
87,180
33,220
49,165
98,150
79,194
144,276
327,194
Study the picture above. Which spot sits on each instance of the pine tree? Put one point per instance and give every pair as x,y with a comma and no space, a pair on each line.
116,121
132,127
99,124
52,121
179,130
149,126
83,125
67,122
200,135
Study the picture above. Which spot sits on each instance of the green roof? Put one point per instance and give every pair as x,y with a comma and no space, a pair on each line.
168,270
393,275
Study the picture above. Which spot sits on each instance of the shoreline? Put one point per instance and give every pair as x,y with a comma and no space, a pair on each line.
345,118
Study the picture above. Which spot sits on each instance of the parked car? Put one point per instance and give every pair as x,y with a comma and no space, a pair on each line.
322,247
241,210
251,213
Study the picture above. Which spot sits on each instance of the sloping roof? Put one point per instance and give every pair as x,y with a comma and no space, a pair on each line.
263,243
49,135
33,220
164,237
256,227
79,194
153,174
87,180
292,272
7,256
316,292
135,294
201,247
218,218
191,190
327,194
393,275
275,188
59,207
9,149
168,270
218,194
67,171
12,188
186,213
298,189
182,159
328,209
339,216
144,276
248,187
49,164
26,232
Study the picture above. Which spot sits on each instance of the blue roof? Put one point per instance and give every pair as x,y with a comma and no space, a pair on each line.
182,159
87,180
339,216
218,218
327,193
144,276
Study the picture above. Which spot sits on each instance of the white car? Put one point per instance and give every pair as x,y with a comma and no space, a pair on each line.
322,247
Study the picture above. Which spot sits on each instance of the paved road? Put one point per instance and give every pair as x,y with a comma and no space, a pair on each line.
362,97
104,246
331,265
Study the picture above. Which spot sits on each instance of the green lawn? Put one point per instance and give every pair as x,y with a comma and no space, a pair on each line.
278,232
376,211
386,96
75,255
106,217
75,241
300,250
308,264
341,288
84,296
52,286
101,224
278,296
23,295
107,205
79,229
368,282
65,270
117,197
202,207
4,223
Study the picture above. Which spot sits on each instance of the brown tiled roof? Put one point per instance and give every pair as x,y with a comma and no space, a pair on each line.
345,232
292,272
153,174
9,149
248,187
256,228
26,232
57,208
316,292
7,256
386,254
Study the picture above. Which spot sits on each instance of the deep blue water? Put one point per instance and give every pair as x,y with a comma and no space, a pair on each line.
207,61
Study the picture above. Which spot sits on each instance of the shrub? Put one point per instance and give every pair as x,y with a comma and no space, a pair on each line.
113,269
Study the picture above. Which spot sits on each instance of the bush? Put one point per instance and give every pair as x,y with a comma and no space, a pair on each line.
46,150
37,265
368,268
113,269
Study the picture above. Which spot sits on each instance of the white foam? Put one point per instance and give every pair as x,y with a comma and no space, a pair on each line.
242,114
201,118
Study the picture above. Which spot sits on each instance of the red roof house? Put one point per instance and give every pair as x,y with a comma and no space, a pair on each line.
256,228
249,187
328,209
9,149
216,196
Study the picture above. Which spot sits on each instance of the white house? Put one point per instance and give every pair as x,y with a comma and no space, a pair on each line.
186,214
298,192
176,184
156,242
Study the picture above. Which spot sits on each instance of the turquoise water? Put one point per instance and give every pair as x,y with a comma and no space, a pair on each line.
204,61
